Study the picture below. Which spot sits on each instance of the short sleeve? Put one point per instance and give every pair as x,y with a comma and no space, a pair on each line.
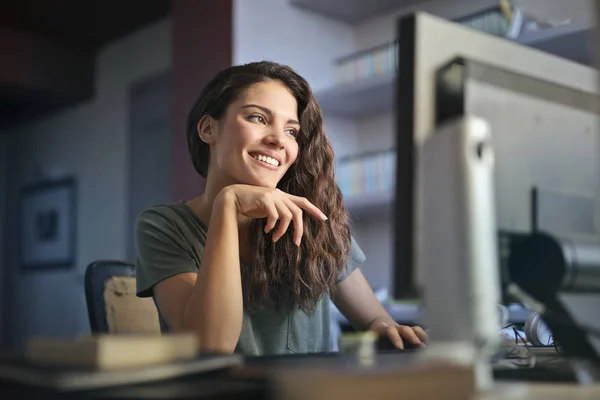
161,251
355,259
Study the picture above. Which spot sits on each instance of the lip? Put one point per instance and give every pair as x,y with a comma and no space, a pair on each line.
264,164
268,154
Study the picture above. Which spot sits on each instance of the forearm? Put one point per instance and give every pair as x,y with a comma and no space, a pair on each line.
355,299
215,307
361,316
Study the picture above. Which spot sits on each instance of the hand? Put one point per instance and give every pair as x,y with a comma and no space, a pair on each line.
274,205
398,334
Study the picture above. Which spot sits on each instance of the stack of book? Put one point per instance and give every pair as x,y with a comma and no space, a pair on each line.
378,61
367,174
103,361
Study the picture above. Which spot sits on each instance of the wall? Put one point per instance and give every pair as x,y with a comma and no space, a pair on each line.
90,142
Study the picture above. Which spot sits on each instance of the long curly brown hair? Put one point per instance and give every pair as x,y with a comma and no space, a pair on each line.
282,272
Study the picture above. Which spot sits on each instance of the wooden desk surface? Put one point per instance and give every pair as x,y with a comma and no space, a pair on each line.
325,378
543,391
398,377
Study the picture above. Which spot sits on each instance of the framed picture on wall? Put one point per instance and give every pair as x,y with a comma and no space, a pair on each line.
48,225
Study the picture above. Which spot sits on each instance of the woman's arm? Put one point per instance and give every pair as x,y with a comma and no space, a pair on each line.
210,302
355,299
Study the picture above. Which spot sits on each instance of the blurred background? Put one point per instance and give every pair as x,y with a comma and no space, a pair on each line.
93,101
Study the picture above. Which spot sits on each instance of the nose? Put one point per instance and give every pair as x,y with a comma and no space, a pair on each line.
275,138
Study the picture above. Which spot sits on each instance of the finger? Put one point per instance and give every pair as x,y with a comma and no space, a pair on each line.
394,336
420,332
272,216
298,222
409,334
304,204
285,217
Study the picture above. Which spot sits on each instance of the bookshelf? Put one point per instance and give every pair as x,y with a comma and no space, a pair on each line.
361,98
370,205
352,11
366,181
376,94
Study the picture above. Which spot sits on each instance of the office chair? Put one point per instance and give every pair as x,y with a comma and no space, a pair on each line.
113,306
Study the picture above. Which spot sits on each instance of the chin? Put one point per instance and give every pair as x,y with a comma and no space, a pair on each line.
253,181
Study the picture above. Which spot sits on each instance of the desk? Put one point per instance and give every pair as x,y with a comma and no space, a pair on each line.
527,391
326,377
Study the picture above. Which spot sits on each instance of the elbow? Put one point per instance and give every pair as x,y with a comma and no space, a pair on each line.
212,339
216,347
209,342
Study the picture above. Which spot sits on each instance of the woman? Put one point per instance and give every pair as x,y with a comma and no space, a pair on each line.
251,264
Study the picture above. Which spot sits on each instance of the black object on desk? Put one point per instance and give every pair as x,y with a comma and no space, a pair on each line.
538,373
540,265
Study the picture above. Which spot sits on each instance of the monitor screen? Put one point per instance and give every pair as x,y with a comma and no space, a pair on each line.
426,44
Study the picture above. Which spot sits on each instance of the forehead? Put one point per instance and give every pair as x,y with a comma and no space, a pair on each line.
272,95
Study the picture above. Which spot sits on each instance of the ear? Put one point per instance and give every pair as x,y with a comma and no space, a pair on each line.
206,129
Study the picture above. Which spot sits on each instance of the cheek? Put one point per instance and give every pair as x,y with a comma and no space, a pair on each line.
293,151
237,134
244,132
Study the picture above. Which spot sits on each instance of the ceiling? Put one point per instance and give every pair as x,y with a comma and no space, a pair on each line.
50,46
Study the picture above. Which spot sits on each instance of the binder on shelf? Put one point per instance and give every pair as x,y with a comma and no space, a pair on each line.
367,180
377,61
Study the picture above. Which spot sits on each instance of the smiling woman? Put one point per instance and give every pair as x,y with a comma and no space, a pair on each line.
250,265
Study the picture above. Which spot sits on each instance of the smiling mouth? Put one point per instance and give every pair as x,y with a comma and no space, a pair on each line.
265,159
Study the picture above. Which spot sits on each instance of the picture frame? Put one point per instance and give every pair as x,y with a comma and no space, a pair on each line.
47,236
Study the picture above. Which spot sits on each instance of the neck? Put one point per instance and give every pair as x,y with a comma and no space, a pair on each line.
203,205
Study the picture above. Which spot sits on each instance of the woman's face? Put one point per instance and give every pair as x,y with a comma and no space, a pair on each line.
255,141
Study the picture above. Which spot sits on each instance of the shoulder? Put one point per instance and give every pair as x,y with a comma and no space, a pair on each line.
163,223
356,256
164,214
166,217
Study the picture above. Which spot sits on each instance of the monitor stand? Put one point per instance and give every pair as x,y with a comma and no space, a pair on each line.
457,247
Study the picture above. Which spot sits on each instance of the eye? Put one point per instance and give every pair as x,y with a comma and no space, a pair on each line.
257,118
292,132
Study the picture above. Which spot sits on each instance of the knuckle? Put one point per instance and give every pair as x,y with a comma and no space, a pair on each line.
287,214
265,197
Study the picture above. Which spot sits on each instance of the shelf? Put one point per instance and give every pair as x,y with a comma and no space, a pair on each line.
370,96
571,41
361,98
370,205
353,11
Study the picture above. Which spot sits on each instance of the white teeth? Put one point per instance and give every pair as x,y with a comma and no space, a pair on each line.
267,160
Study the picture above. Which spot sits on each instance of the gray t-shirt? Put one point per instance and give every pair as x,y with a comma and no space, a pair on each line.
170,240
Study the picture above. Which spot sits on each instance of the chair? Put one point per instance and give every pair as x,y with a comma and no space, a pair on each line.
113,306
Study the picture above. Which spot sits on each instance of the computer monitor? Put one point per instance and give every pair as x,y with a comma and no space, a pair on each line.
426,43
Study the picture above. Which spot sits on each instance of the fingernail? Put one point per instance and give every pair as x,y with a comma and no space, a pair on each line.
325,217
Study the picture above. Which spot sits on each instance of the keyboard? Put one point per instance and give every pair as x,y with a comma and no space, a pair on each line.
556,372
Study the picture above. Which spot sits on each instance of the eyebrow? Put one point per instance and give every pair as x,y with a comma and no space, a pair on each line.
267,111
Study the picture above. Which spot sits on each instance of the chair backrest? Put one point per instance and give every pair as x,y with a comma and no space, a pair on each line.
113,306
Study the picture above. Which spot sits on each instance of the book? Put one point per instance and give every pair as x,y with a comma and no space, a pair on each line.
105,351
